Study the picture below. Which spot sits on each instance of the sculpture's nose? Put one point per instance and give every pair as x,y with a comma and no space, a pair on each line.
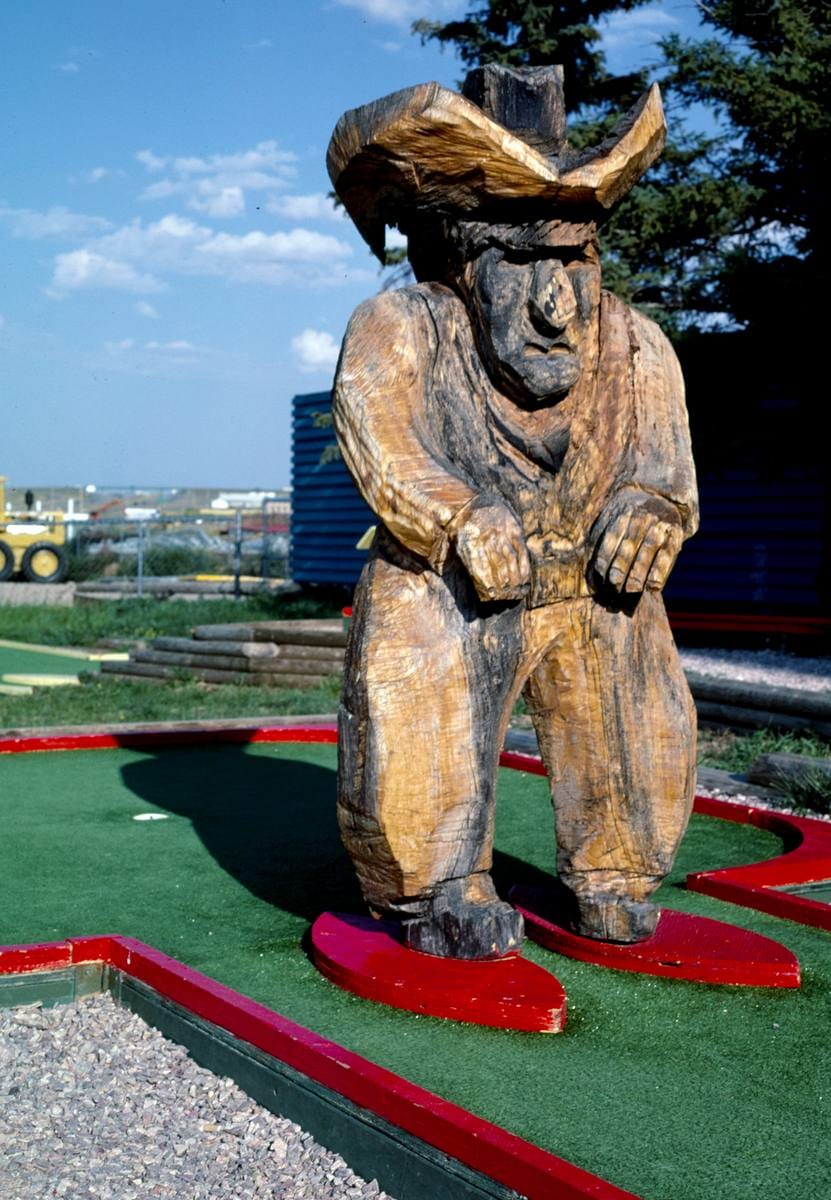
553,302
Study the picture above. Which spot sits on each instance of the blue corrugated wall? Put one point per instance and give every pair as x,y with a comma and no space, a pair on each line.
761,547
328,515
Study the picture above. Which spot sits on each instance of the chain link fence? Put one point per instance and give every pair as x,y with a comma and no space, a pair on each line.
236,544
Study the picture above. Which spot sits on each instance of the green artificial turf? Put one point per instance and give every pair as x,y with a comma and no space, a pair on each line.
30,662
673,1090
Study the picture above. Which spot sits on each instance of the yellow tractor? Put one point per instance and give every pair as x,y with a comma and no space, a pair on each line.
32,543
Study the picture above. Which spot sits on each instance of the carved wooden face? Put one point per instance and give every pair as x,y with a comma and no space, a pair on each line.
534,309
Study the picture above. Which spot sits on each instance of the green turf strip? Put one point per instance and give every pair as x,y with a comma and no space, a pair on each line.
31,662
673,1090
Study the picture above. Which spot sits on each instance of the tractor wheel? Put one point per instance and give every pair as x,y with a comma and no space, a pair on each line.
6,562
44,562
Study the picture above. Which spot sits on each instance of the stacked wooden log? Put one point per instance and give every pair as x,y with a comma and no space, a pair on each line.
743,705
174,587
258,653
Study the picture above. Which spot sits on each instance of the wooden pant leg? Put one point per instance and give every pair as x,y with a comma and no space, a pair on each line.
616,726
426,686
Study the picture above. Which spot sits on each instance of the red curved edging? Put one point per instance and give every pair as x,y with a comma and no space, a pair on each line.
684,946
157,739
366,957
752,886
479,1144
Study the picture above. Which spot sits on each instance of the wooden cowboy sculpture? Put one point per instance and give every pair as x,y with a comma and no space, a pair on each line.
522,436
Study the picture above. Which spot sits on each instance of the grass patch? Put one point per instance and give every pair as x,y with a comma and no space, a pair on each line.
736,751
809,791
102,701
86,624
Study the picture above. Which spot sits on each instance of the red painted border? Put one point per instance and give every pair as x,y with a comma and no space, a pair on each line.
807,860
750,623
157,739
479,1144
684,946
366,957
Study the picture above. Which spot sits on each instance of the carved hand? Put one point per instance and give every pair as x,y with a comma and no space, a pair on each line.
490,543
639,539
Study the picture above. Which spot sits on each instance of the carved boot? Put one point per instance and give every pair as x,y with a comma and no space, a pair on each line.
612,907
465,918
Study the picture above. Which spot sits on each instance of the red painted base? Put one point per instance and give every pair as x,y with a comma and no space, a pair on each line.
365,957
682,947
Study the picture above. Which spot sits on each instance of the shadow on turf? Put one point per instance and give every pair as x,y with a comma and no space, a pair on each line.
270,824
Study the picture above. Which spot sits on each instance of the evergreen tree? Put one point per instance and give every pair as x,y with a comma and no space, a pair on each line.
767,72
694,241
520,33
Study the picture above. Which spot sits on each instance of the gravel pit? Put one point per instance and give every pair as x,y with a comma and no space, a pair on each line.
97,1105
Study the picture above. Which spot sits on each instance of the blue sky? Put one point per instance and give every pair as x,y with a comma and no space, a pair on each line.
173,272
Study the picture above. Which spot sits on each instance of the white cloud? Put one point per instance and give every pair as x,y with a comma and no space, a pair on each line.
225,202
316,206
83,269
57,222
132,258
175,347
216,185
268,257
68,68
396,240
315,350
637,28
404,12
261,44
155,358
99,173
150,160
147,310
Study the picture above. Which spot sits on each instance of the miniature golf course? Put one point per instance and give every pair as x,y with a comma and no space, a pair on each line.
672,1090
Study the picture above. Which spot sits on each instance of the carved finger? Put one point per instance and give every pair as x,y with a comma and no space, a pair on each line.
612,537
627,551
476,564
482,573
664,561
518,568
490,550
654,541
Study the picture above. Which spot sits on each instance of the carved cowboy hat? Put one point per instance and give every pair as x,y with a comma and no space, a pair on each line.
427,151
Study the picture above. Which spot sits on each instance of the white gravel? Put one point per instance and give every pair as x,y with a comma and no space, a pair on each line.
97,1105
769,667
756,801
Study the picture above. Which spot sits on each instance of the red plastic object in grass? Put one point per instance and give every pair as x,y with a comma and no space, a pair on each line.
365,957
683,946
